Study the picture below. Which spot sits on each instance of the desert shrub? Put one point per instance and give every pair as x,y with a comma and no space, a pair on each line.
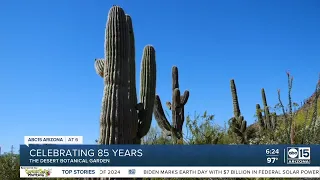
9,166
155,136
203,130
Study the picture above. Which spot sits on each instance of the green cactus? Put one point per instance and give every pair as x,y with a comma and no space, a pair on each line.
122,119
260,117
239,127
235,102
176,107
238,124
269,120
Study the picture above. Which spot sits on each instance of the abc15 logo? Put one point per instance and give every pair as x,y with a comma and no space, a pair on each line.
301,153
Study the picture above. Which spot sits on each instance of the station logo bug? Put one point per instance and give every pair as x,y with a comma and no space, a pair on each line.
298,155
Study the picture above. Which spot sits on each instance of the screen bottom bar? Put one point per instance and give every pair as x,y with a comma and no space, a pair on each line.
170,172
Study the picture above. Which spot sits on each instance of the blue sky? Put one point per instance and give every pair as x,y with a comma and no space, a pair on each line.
47,51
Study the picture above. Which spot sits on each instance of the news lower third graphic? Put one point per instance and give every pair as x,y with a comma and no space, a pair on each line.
168,155
74,159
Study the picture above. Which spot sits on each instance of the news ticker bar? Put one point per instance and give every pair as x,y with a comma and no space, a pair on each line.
168,155
170,172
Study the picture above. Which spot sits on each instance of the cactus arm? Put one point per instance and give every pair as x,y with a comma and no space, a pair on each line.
239,125
260,117
168,104
243,129
182,120
235,126
176,109
266,109
243,126
264,98
99,66
177,113
269,119
160,117
132,63
236,109
147,89
132,92
184,98
175,78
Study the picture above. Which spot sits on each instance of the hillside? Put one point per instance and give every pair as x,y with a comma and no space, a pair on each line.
304,112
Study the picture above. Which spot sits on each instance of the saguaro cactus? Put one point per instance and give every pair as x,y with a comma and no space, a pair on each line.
269,120
176,107
238,124
122,119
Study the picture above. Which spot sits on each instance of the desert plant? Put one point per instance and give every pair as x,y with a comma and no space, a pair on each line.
311,130
237,123
9,166
289,113
155,136
202,129
122,119
176,107
268,121
308,131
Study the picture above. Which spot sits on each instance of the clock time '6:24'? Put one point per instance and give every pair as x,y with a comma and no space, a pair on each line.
272,151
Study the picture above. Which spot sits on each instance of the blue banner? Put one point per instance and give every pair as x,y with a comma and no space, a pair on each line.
169,155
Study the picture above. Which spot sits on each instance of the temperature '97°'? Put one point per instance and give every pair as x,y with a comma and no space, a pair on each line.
272,155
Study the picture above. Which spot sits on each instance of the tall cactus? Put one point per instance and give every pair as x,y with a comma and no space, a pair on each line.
238,124
269,120
176,107
122,119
